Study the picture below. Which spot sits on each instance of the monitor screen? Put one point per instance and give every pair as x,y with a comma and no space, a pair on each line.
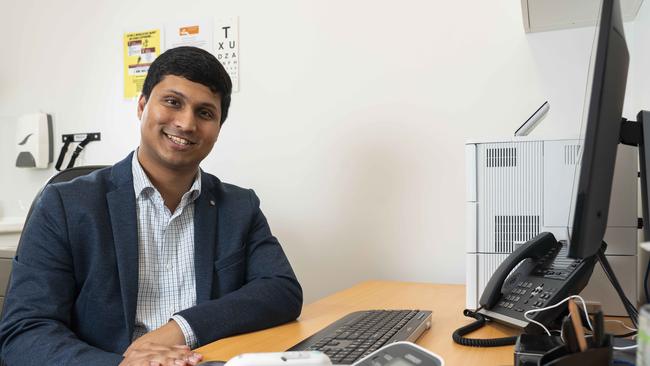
604,113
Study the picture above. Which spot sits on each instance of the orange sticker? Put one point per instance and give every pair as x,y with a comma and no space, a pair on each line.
189,31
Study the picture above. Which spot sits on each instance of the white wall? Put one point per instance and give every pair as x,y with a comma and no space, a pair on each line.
350,123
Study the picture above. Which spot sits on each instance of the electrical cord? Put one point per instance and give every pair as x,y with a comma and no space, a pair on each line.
626,348
584,307
634,330
458,335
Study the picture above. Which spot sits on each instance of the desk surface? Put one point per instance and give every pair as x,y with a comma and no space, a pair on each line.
446,302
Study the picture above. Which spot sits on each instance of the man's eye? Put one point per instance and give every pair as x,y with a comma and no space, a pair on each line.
206,114
172,102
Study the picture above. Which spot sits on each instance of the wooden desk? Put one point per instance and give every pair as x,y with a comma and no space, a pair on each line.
446,301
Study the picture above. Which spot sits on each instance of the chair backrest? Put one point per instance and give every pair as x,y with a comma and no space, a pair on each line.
64,176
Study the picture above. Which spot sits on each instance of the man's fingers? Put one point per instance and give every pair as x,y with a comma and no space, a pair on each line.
153,354
195,358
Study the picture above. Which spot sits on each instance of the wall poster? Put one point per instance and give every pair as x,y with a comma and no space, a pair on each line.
140,49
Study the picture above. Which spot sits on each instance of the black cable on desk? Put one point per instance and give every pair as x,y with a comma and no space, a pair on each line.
458,335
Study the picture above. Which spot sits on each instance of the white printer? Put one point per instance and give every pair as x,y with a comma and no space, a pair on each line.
520,186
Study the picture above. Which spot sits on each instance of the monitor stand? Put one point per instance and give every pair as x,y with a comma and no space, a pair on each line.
635,134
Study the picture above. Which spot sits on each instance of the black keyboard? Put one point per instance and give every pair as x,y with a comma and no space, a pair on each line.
363,332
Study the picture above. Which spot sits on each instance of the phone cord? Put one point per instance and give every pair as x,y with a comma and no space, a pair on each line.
459,334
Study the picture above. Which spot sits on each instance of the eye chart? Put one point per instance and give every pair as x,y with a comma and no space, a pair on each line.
226,47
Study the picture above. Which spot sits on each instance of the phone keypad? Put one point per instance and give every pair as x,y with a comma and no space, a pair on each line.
539,288
527,295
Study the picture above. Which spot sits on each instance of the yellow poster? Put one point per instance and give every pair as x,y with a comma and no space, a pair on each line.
140,49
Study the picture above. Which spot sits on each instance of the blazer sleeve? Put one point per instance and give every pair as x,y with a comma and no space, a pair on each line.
36,322
270,296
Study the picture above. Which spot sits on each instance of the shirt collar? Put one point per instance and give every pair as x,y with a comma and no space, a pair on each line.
142,184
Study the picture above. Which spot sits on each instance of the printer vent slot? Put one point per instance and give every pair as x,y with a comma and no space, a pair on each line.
571,154
501,157
509,230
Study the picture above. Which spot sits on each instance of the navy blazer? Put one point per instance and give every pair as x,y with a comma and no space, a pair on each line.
74,284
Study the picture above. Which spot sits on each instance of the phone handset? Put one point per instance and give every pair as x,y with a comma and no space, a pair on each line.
530,253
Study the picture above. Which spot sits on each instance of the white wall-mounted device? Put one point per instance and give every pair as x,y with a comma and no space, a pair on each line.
34,141
520,186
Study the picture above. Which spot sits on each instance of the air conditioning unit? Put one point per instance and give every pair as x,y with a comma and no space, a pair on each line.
519,187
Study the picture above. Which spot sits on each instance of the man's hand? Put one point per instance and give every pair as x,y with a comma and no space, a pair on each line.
169,334
163,346
152,354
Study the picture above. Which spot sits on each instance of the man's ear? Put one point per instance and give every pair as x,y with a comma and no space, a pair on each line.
141,103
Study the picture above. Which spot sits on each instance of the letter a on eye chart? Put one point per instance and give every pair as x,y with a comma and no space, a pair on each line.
226,47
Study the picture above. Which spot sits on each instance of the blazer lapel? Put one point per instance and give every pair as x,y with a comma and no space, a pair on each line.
205,239
122,211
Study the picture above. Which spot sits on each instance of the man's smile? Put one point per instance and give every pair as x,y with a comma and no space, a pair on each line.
178,140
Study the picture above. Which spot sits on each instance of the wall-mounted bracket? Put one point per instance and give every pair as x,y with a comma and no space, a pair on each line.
82,139
78,137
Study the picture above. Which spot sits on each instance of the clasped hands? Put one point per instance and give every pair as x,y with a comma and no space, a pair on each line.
164,346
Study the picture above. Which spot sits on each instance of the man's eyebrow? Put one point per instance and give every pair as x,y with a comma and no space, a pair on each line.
183,96
176,92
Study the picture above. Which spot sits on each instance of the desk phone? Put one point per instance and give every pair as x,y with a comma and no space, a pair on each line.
535,275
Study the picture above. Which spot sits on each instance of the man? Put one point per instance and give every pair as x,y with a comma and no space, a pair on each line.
140,262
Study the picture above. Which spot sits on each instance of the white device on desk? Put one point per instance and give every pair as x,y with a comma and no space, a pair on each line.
401,354
299,358
394,354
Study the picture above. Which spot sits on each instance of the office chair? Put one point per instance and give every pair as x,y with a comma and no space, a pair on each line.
62,176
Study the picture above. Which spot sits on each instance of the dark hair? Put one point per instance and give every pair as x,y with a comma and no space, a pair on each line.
194,64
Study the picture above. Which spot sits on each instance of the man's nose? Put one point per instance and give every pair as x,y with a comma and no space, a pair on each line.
186,120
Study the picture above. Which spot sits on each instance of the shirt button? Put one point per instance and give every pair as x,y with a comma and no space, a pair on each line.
169,267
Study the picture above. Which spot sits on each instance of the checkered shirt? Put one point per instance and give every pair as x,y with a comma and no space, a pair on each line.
166,280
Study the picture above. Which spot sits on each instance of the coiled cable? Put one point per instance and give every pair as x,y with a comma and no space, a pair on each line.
459,334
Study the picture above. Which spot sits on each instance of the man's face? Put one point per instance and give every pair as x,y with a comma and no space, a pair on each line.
180,123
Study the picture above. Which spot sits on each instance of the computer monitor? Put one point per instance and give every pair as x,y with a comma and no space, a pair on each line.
601,141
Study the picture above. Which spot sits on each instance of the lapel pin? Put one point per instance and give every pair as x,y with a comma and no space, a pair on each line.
211,202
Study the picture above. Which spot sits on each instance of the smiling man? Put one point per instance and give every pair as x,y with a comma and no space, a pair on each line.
139,263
